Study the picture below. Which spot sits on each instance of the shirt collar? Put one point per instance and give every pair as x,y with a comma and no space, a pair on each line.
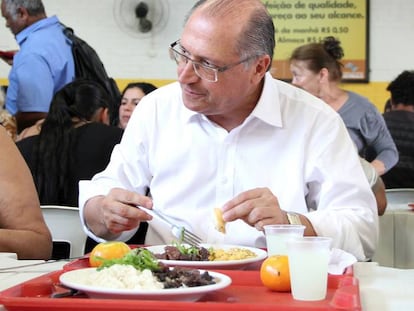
44,22
267,108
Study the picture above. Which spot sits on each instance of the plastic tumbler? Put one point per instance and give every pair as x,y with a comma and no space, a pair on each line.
308,266
277,235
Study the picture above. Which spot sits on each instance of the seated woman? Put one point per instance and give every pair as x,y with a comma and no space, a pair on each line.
130,97
75,142
317,68
21,222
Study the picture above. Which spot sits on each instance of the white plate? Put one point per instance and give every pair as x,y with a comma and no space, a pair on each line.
217,264
73,279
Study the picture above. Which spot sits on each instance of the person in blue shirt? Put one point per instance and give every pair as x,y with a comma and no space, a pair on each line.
43,64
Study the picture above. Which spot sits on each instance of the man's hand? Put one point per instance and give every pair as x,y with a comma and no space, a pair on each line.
110,215
257,207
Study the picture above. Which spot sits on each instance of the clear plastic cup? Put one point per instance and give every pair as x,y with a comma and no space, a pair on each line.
277,235
308,267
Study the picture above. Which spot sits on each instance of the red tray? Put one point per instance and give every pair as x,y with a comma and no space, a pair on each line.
245,293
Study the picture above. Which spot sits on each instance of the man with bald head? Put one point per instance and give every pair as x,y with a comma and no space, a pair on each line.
229,135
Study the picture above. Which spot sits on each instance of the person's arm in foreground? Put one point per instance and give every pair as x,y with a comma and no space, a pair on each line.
22,227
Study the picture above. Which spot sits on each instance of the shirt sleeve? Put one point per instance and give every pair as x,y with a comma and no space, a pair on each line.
344,205
370,172
378,137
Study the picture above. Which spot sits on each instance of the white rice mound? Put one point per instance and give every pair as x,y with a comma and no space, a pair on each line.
123,277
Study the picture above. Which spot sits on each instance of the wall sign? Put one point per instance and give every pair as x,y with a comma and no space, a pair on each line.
299,22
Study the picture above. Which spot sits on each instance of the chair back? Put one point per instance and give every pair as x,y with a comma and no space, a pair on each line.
398,196
66,228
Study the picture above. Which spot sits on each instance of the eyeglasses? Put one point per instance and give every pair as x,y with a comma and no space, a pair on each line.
204,71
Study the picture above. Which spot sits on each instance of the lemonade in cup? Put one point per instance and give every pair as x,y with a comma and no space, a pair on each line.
308,267
277,235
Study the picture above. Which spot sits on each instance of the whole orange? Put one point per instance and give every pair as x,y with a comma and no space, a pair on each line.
107,250
274,273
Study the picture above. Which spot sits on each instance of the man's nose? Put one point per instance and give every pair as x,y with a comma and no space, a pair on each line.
187,73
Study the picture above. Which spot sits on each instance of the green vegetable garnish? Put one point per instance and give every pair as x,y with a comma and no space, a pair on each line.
186,250
140,258
182,235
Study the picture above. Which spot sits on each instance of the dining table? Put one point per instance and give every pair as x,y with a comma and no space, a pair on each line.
380,288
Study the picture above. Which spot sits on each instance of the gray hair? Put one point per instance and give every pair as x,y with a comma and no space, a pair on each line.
33,7
258,37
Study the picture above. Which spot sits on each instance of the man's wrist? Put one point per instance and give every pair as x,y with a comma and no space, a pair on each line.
293,218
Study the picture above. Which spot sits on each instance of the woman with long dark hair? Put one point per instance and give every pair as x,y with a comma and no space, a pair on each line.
75,142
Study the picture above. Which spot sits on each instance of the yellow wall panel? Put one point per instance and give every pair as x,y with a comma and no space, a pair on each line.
375,91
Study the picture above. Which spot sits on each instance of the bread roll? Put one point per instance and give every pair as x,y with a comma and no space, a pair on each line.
219,223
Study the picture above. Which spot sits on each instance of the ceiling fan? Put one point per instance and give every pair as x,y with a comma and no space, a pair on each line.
141,18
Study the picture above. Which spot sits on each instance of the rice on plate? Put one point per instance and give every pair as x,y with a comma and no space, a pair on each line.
123,277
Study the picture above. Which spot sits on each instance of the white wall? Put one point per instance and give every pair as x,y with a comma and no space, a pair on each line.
391,38
129,56
124,54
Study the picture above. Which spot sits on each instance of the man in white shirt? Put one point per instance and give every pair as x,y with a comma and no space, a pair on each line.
228,135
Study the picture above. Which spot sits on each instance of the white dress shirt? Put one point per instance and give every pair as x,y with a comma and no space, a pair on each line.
292,143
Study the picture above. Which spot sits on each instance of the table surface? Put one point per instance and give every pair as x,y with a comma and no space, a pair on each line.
384,288
381,288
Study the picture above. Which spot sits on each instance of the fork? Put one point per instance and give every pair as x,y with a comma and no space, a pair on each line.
181,233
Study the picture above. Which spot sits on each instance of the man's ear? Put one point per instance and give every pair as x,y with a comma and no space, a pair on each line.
22,13
262,64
